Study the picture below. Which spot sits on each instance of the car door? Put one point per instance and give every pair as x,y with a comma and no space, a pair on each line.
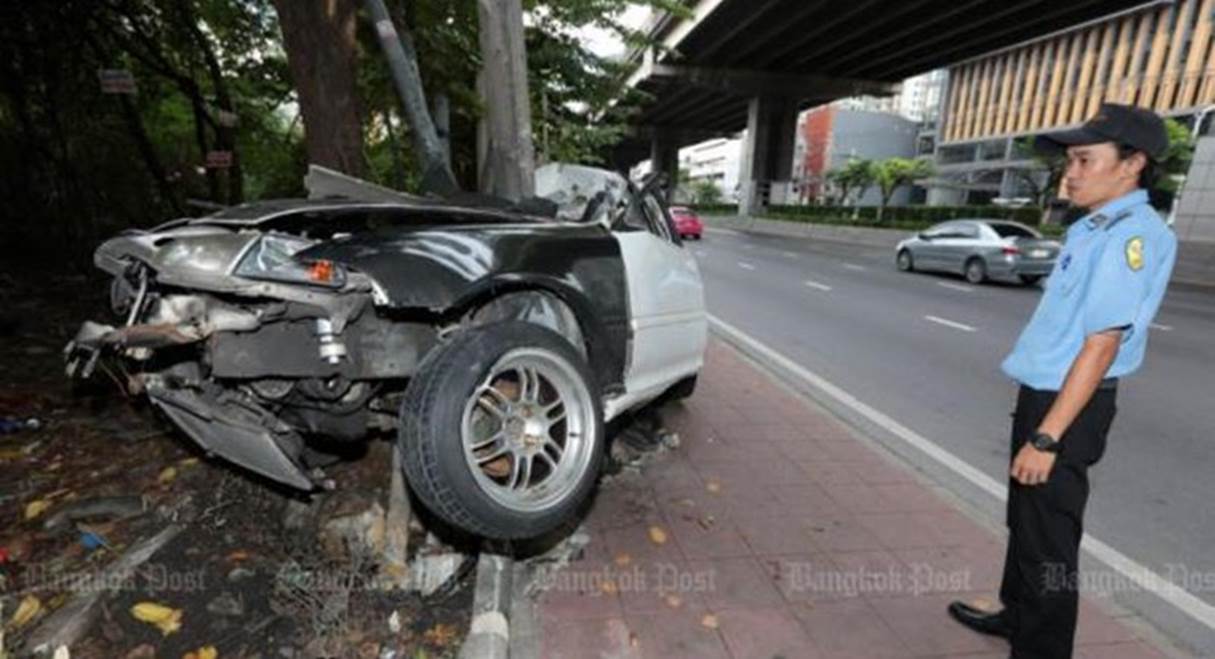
960,241
666,300
928,255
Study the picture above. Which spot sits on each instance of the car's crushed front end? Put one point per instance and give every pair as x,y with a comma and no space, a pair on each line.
245,343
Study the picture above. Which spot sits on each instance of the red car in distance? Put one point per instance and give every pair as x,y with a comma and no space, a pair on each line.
687,224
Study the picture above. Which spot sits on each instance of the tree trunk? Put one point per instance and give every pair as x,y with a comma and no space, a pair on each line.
319,37
403,62
510,167
225,133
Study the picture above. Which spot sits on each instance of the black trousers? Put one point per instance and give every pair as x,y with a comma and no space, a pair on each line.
1040,585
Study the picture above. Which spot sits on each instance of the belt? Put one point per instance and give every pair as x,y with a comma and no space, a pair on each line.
1108,384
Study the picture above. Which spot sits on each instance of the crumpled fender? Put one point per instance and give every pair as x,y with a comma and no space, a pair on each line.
442,270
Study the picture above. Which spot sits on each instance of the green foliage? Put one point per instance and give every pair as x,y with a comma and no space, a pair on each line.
855,176
892,173
917,215
1177,157
706,193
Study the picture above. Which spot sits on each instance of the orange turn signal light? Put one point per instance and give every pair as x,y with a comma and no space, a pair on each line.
321,272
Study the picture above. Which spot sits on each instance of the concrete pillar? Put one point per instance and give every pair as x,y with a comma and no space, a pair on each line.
664,158
766,169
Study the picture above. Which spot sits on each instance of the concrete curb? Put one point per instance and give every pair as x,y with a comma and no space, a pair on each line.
489,634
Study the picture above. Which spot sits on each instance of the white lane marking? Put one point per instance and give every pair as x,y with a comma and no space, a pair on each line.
853,266
950,323
955,287
1162,328
815,284
745,266
1136,572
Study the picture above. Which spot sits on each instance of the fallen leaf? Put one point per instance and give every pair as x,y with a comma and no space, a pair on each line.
144,651
187,462
238,555
657,535
709,621
62,652
35,508
713,486
26,611
623,559
205,652
441,635
707,522
11,454
167,475
166,619
673,601
608,587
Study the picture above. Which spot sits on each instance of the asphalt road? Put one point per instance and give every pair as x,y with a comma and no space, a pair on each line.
925,350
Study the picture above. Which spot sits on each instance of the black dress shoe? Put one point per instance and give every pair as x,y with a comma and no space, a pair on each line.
979,620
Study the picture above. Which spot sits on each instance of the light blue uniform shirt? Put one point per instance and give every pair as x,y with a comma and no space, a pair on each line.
1111,273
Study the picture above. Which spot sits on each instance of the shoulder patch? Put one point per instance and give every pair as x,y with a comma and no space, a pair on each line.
1134,253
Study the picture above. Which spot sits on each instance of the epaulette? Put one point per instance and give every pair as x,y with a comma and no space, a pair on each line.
1118,218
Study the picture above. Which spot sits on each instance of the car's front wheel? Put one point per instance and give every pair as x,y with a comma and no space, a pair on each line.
904,261
502,431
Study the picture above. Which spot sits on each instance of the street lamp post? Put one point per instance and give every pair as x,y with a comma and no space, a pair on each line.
1202,114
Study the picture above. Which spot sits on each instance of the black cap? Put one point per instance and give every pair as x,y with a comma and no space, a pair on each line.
1136,127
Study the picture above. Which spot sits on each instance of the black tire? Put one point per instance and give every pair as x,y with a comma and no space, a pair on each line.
432,441
682,389
1030,280
904,261
975,270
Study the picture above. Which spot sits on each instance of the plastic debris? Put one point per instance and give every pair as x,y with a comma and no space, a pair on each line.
120,507
167,475
29,609
91,541
9,425
35,508
164,618
205,652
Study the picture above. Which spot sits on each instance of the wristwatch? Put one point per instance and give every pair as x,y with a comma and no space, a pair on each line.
1044,442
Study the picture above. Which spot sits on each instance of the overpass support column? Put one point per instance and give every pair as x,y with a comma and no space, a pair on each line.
767,157
664,158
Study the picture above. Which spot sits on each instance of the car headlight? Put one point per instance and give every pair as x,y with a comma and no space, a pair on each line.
273,257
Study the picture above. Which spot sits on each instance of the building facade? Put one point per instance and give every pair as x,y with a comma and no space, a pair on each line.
715,160
830,135
1158,55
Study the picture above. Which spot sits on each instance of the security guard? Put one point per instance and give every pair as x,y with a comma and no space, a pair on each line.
1089,330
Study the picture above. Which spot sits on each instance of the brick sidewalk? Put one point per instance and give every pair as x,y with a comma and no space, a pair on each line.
772,531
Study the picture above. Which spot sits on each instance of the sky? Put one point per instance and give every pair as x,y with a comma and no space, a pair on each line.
605,43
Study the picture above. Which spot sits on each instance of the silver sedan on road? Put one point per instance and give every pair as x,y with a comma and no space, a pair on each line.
978,249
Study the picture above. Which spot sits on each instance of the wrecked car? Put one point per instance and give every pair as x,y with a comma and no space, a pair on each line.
496,341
